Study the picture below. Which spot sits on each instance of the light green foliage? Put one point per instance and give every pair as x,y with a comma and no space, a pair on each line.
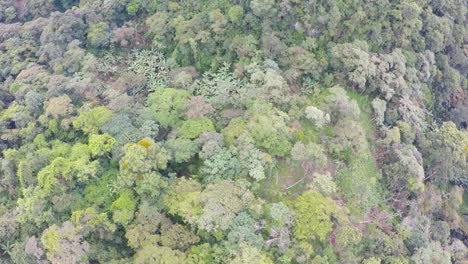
200,254
404,169
448,154
294,131
124,207
89,220
224,165
48,176
93,120
372,260
252,160
100,144
281,215
313,216
139,169
359,184
268,127
99,35
148,226
32,207
192,128
311,152
235,129
63,244
235,13
379,106
432,253
181,149
323,183
355,60
179,237
184,200
98,193
168,106
143,157
221,203
242,230
67,165
133,7
158,255
249,254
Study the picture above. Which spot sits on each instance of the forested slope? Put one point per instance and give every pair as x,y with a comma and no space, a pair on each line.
216,131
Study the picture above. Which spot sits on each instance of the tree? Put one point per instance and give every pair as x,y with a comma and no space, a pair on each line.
184,200
99,35
93,120
447,154
148,227
89,221
324,184
124,207
310,156
404,169
379,107
100,144
192,128
243,230
63,244
432,253
224,165
354,60
160,255
313,216
42,8
275,138
197,107
168,106
181,149
32,248
179,237
221,203
250,254
314,114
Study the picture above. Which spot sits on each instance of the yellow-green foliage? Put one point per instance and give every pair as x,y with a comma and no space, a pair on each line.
101,144
91,121
192,128
168,105
313,216
124,207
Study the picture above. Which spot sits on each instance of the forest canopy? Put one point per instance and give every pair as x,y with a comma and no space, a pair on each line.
245,131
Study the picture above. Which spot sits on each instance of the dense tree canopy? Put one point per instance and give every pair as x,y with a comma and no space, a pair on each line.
214,131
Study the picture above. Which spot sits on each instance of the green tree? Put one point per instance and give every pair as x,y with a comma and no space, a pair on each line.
160,255
124,207
314,214
100,144
447,154
93,120
63,244
192,128
99,35
168,106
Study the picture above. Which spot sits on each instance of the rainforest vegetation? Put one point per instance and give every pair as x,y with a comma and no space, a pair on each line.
242,131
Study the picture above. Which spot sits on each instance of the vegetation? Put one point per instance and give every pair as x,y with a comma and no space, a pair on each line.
211,131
